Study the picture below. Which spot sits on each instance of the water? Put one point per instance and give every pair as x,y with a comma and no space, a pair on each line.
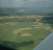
46,44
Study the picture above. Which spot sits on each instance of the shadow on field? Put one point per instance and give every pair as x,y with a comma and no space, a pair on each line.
5,48
13,45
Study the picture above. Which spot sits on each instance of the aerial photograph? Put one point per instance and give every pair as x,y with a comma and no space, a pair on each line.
26,24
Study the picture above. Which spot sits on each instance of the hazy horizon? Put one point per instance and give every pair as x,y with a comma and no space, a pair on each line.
28,6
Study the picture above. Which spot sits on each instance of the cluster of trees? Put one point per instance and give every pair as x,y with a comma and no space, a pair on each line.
48,20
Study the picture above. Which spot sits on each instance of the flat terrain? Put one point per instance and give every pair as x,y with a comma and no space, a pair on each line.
24,31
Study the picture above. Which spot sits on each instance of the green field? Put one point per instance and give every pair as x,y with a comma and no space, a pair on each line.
26,35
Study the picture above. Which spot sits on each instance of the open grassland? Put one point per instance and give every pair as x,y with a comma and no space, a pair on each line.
27,34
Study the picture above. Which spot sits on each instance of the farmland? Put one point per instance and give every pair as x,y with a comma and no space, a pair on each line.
23,32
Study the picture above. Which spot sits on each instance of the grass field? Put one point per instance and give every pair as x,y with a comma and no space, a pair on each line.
19,32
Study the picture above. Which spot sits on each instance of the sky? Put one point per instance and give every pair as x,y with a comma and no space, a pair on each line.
29,6
22,3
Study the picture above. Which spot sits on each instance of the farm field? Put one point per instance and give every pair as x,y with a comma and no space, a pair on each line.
23,35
